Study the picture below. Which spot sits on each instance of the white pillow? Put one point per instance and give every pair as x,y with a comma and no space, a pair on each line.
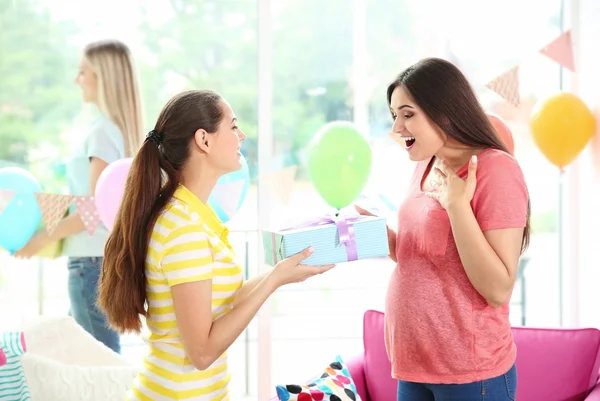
49,380
63,340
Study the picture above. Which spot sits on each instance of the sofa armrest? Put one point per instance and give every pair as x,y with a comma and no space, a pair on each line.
356,366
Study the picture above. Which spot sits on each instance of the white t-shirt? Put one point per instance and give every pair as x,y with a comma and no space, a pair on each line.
105,141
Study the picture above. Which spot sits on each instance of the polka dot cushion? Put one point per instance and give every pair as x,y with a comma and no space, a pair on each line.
335,384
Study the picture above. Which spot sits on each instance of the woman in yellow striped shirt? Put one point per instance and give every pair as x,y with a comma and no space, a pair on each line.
168,258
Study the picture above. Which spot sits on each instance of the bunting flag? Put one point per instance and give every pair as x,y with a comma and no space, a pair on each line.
87,212
281,183
53,207
560,50
6,196
507,86
228,196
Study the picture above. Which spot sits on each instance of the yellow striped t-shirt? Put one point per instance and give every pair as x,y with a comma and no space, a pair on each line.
188,243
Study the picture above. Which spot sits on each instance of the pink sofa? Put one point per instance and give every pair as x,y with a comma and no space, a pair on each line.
552,364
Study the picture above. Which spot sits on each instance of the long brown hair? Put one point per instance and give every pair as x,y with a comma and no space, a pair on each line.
443,92
153,178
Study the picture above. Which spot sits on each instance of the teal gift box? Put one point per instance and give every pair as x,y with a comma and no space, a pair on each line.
335,240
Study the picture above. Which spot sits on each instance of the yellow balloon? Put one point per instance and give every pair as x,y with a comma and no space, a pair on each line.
561,126
51,251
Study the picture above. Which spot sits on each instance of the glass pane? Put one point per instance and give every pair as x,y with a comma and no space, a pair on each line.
177,45
312,58
314,86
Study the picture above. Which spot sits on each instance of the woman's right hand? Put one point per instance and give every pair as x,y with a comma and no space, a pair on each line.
391,233
291,270
363,212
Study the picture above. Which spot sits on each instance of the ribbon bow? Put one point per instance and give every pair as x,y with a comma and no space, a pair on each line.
345,228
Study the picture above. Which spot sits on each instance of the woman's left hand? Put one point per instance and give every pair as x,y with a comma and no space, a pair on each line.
34,246
450,189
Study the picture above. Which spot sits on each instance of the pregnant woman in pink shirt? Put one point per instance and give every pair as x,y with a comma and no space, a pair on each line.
461,230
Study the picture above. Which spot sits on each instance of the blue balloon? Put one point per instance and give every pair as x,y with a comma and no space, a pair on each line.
218,210
241,174
22,216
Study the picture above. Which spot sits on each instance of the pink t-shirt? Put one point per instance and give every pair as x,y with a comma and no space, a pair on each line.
438,328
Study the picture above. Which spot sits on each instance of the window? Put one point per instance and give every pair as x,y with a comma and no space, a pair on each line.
360,49
331,61
177,45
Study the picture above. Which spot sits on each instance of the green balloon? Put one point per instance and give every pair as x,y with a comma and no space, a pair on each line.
339,163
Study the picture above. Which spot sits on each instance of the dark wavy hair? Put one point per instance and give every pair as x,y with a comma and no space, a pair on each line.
445,95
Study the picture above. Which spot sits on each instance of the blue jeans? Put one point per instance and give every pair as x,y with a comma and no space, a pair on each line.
501,388
84,274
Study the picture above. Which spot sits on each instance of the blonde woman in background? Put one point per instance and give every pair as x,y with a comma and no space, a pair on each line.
108,80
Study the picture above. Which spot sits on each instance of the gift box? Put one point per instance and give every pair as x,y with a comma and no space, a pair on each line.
335,240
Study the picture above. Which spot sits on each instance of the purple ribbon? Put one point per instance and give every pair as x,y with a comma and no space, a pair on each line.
345,228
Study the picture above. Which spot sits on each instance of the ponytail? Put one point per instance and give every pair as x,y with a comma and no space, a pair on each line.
122,290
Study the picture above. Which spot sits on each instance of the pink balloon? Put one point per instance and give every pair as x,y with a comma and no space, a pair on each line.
110,189
503,131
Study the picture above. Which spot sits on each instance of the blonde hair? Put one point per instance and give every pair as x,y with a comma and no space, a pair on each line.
118,89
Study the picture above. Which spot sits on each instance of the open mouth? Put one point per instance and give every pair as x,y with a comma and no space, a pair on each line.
409,141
